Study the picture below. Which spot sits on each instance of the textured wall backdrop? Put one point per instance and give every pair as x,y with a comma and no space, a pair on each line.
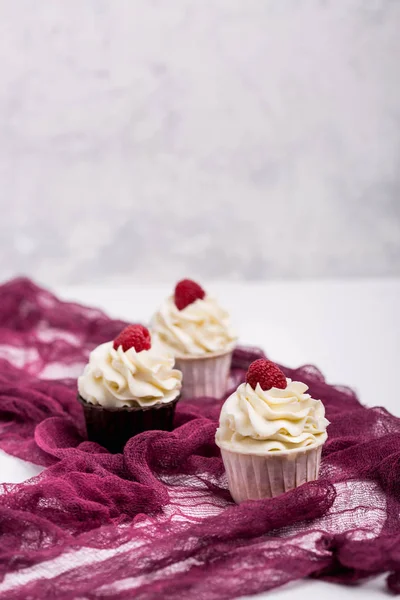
215,138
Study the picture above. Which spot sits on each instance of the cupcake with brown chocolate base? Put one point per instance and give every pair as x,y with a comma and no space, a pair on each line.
196,330
127,388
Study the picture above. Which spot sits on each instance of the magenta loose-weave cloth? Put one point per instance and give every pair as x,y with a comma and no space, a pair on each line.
158,521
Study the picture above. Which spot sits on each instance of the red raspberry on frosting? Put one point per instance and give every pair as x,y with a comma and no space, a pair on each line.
133,336
266,373
186,292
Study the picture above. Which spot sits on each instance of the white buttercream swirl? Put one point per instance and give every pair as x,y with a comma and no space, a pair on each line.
114,378
202,327
260,421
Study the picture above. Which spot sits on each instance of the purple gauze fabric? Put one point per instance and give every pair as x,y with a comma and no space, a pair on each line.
157,521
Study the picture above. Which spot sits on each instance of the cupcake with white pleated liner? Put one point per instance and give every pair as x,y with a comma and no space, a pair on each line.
271,434
196,330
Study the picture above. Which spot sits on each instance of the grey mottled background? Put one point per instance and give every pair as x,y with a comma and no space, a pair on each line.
220,139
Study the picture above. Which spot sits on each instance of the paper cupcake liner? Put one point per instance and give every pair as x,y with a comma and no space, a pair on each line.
113,427
253,477
205,375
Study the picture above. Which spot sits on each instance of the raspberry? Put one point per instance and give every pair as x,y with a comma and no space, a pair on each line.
133,336
266,373
186,292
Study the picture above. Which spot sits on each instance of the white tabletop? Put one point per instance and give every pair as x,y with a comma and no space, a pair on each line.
349,329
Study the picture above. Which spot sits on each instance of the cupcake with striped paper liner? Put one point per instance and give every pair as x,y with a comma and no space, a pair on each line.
127,388
196,330
271,434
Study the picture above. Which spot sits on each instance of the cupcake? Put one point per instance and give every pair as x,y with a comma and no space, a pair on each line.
192,327
127,388
271,434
